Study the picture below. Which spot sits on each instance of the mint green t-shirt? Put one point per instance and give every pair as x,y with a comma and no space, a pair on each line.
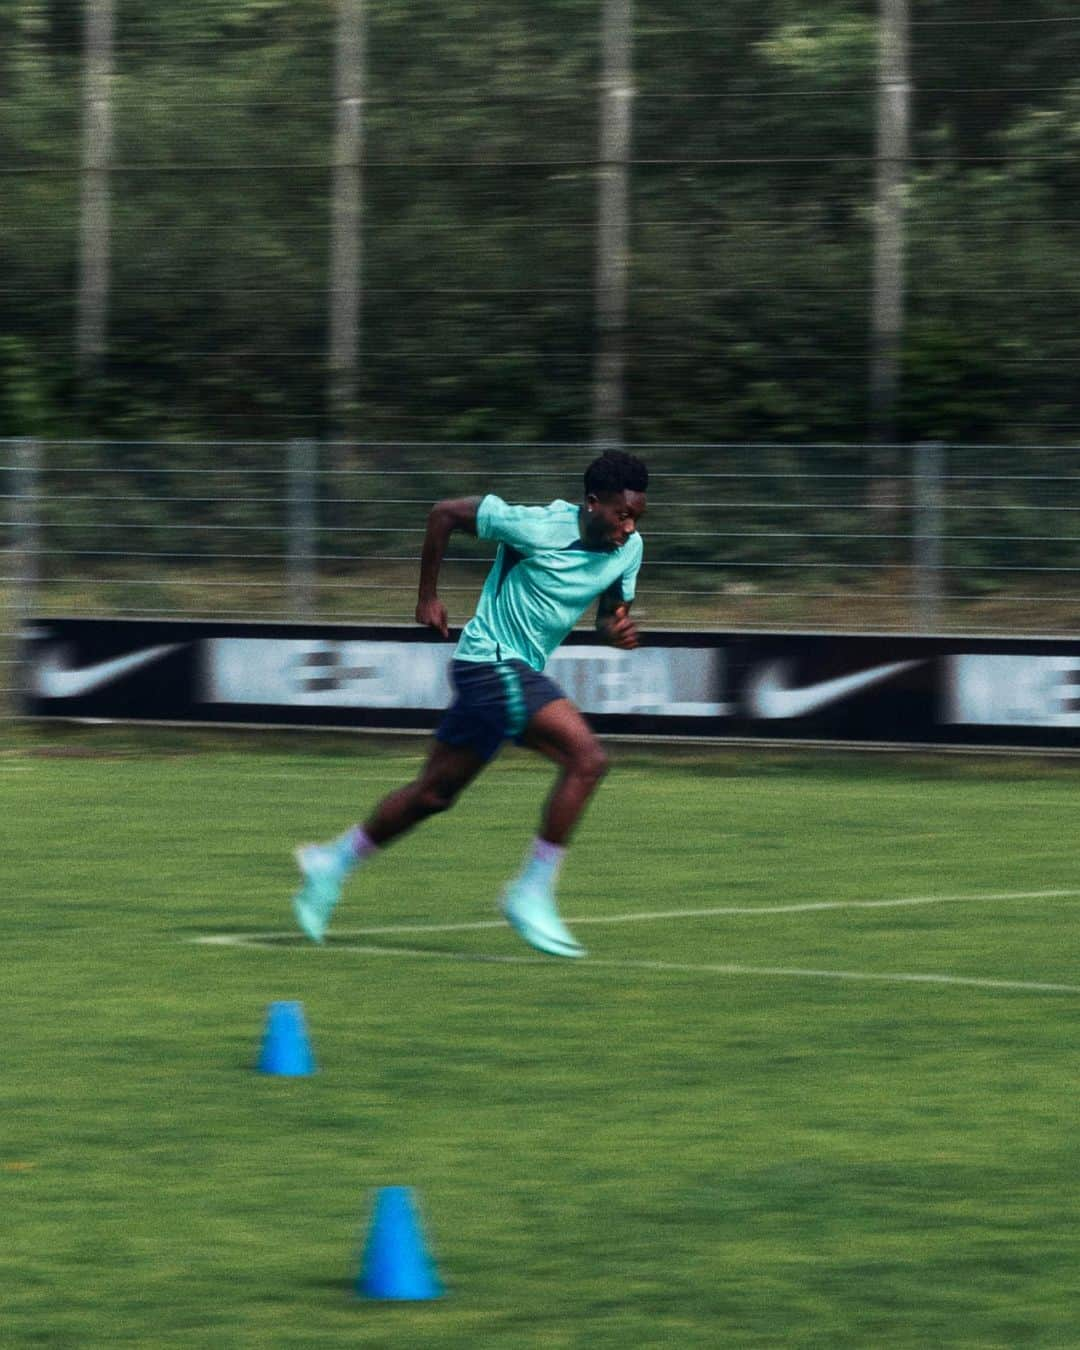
543,580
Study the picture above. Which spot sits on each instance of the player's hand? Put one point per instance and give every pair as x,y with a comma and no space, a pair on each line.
432,614
619,629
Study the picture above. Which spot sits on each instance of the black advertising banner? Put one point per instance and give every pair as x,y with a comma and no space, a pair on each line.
897,690
322,675
881,689
839,687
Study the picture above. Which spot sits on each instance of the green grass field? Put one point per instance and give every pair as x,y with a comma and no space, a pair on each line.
681,1142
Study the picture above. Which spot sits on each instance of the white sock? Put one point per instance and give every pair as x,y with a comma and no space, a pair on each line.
353,847
542,865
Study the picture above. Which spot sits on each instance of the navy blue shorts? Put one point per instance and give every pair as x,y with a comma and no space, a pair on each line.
495,702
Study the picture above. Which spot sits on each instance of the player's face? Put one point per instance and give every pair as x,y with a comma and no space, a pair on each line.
613,517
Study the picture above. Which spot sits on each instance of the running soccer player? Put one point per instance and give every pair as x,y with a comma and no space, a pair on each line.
552,563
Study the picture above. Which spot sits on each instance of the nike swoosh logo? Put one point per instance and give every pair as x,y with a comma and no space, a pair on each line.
53,679
768,693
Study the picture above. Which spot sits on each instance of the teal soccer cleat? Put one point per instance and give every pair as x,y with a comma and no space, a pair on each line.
531,913
324,871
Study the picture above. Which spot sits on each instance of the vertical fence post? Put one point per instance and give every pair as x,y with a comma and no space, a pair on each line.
613,232
346,219
300,551
928,502
25,571
94,211
887,296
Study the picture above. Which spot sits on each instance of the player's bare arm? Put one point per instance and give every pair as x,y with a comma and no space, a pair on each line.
553,562
458,513
614,623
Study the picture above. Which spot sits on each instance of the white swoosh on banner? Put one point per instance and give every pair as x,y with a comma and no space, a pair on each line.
768,694
52,679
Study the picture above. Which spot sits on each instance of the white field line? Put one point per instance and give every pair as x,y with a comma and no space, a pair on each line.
264,942
715,911
268,941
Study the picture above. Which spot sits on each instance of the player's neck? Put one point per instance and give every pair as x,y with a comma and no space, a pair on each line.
585,531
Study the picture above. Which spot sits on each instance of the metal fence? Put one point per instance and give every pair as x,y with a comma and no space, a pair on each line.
593,218
968,538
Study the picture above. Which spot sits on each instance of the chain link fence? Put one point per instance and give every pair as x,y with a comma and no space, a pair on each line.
592,219
966,538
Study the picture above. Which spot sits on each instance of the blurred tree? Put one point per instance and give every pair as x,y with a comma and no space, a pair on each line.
750,233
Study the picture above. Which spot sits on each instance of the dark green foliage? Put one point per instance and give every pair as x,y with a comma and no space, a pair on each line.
751,255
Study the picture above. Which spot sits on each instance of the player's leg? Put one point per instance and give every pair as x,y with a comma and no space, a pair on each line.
560,733
325,867
449,769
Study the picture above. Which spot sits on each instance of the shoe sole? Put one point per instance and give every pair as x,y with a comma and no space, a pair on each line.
310,924
547,943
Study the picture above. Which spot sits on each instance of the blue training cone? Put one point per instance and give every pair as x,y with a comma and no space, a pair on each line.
285,1048
395,1263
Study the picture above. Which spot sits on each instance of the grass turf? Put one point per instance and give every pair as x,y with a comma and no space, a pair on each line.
605,1154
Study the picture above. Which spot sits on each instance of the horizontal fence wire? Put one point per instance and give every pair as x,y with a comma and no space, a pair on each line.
703,564
831,537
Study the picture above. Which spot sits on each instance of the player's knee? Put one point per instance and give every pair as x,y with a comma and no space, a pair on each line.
591,763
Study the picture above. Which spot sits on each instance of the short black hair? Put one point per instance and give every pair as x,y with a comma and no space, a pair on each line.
616,471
